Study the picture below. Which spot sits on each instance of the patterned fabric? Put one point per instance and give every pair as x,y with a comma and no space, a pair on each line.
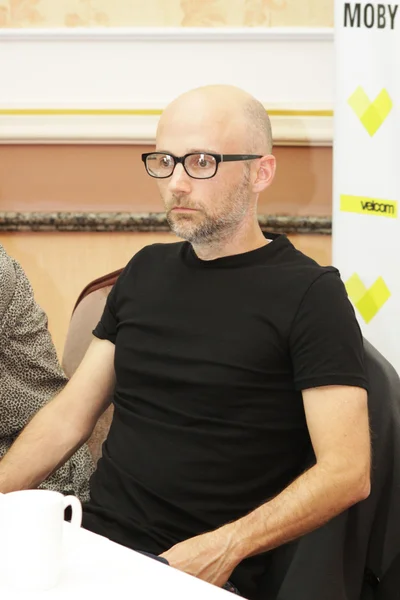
30,374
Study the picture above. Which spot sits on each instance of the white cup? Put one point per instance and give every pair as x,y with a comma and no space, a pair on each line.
31,532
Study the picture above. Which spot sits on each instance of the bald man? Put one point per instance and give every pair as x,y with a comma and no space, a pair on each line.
240,418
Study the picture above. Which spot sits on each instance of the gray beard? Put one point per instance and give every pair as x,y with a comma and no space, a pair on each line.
210,231
214,230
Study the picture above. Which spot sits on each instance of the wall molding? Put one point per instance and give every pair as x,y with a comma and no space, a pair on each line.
141,222
102,77
186,34
48,128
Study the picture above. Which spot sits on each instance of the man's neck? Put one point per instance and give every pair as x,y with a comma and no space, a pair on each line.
237,243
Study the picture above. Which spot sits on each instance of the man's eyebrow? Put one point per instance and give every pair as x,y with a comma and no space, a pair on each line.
192,151
202,151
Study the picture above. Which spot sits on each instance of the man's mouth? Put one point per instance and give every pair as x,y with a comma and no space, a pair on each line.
183,209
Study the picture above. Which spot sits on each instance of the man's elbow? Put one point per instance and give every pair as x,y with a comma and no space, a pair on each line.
360,486
365,487
352,481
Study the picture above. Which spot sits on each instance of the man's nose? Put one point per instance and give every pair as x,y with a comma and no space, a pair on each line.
180,180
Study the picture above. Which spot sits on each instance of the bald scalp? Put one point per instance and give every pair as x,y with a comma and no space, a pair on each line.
259,127
242,109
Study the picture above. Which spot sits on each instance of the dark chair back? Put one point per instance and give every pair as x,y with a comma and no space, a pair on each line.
346,558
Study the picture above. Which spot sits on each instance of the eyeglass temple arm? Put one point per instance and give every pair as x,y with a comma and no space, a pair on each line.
233,157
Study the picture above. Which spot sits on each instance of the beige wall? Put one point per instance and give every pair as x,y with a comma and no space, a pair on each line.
59,265
170,13
112,178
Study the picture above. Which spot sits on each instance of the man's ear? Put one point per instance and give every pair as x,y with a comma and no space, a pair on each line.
265,173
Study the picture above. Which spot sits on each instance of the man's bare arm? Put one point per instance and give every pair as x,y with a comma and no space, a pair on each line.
64,424
337,418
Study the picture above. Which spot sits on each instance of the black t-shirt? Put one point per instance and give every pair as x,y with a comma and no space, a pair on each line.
210,361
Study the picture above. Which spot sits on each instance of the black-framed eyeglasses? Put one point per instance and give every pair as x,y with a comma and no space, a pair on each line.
199,165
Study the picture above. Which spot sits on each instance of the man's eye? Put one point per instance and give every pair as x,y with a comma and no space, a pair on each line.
166,161
203,162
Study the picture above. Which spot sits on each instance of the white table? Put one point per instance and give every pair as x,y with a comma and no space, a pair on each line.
95,569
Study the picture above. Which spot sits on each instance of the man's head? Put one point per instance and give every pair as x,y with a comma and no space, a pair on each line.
213,120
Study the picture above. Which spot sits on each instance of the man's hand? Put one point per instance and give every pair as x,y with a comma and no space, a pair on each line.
210,556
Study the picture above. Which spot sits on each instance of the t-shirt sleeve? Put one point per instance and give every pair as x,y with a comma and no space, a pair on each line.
106,329
326,343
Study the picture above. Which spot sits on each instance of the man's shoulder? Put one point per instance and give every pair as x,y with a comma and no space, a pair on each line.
157,252
300,269
151,255
288,254
163,249
295,279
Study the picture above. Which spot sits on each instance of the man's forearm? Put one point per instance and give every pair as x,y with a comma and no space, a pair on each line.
313,499
44,445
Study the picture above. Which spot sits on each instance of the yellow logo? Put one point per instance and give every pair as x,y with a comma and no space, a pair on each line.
367,301
371,114
368,206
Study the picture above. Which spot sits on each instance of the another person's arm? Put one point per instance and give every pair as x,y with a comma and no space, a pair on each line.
31,374
64,424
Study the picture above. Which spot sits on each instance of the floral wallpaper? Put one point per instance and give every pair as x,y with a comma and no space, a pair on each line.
166,13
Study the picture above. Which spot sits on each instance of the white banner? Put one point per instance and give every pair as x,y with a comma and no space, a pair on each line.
366,223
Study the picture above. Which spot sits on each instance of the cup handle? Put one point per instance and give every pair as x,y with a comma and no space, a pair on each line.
76,506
